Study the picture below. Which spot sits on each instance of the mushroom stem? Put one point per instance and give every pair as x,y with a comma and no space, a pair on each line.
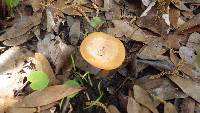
103,73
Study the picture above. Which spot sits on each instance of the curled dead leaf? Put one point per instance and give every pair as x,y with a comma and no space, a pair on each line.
25,24
142,97
133,106
119,31
169,108
188,105
42,64
161,87
47,96
21,110
113,109
188,86
190,26
153,23
174,14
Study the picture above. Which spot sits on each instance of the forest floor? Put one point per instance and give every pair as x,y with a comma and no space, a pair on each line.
43,71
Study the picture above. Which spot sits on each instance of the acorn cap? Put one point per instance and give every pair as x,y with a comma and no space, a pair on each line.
102,51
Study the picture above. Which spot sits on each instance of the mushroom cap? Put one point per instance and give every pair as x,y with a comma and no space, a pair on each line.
102,50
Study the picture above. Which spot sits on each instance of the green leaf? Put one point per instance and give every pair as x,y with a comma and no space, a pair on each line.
95,21
39,80
12,3
72,83
198,55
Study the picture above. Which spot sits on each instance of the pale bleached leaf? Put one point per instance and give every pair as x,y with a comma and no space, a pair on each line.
55,50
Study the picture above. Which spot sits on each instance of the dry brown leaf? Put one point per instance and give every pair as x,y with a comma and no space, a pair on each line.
175,60
174,14
197,107
188,106
98,2
20,28
142,97
121,28
187,14
162,64
55,50
192,1
153,23
113,109
61,7
190,71
19,40
47,96
74,33
188,86
112,10
48,106
140,36
145,110
194,40
21,110
186,68
6,102
133,106
152,54
153,50
180,5
190,26
169,108
36,4
73,11
42,64
175,40
161,87
81,2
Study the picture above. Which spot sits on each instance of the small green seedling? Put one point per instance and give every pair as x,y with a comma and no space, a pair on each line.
72,83
73,62
198,55
39,80
95,21
98,98
12,3
79,75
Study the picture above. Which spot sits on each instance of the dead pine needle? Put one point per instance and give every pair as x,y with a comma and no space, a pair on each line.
96,8
81,11
174,72
99,104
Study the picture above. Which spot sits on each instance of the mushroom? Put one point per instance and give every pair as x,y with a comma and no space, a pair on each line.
102,51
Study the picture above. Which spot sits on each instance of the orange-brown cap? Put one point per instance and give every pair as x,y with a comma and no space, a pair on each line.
102,50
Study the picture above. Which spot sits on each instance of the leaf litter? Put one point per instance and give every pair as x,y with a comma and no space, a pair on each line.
162,35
